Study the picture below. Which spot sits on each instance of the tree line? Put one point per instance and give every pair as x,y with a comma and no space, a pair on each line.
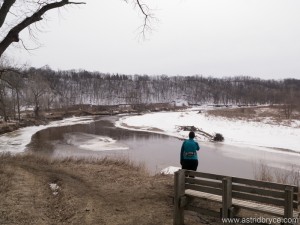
45,89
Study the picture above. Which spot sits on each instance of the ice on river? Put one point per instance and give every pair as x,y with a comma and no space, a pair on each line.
16,141
92,142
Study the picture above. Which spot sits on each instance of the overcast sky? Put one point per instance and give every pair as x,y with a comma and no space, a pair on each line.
258,38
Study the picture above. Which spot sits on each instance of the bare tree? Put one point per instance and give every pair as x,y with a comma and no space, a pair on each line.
15,82
34,14
38,87
6,90
35,11
4,99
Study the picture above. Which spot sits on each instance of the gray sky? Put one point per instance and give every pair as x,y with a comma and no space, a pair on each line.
258,38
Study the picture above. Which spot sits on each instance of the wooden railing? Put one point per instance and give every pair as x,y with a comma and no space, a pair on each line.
233,193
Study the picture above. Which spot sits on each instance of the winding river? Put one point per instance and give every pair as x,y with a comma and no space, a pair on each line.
101,138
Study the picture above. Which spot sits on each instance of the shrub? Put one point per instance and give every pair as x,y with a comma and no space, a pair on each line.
218,137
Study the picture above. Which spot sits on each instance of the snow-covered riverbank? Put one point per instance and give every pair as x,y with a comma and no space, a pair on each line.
235,132
95,141
16,141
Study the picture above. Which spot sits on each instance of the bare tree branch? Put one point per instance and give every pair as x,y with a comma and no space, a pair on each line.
44,6
145,26
7,4
13,34
26,48
148,17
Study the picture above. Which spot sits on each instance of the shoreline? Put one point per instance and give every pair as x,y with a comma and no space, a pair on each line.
181,135
49,116
259,148
217,151
60,118
153,123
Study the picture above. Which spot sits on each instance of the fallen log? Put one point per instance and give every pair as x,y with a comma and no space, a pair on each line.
216,137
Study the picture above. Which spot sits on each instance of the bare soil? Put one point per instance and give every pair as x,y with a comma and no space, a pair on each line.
89,192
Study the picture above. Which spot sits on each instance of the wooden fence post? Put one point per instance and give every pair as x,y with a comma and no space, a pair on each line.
179,189
226,197
288,208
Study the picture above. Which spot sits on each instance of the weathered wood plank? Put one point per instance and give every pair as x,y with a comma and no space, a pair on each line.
179,185
272,210
184,200
226,196
288,206
253,206
234,193
204,189
262,199
258,191
203,195
204,175
208,183
257,198
263,184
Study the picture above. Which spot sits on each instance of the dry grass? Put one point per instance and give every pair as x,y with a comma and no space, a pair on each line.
236,113
90,192
290,175
94,191
271,114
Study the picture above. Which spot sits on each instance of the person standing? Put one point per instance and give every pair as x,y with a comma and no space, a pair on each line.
188,153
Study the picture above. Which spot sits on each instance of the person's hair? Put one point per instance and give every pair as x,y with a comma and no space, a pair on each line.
191,134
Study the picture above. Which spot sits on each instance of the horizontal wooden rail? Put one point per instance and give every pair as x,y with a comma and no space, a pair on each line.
210,190
260,191
263,184
208,183
257,198
204,175
233,193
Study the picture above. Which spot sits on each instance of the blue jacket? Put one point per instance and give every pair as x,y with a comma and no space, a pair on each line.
189,150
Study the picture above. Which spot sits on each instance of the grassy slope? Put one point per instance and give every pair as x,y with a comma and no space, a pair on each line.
104,192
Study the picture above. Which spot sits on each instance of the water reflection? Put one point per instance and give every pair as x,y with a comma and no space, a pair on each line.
95,139
101,138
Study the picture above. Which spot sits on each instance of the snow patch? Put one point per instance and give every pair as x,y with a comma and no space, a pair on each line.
235,132
170,170
180,102
54,188
93,142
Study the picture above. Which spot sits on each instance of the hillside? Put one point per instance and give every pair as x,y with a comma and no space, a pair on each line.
35,190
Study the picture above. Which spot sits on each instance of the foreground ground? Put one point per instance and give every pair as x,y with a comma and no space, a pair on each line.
103,192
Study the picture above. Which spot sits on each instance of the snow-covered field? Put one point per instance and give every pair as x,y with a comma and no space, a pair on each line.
235,132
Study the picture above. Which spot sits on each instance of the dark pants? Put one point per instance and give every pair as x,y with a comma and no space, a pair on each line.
189,164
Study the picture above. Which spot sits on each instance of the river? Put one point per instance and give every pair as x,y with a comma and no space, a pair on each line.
101,138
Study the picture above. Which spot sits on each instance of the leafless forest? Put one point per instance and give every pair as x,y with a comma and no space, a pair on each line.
44,89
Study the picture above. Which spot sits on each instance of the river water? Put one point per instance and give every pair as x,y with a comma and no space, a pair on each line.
101,138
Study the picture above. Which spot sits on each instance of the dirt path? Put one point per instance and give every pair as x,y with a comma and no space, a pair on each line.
104,193
89,193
